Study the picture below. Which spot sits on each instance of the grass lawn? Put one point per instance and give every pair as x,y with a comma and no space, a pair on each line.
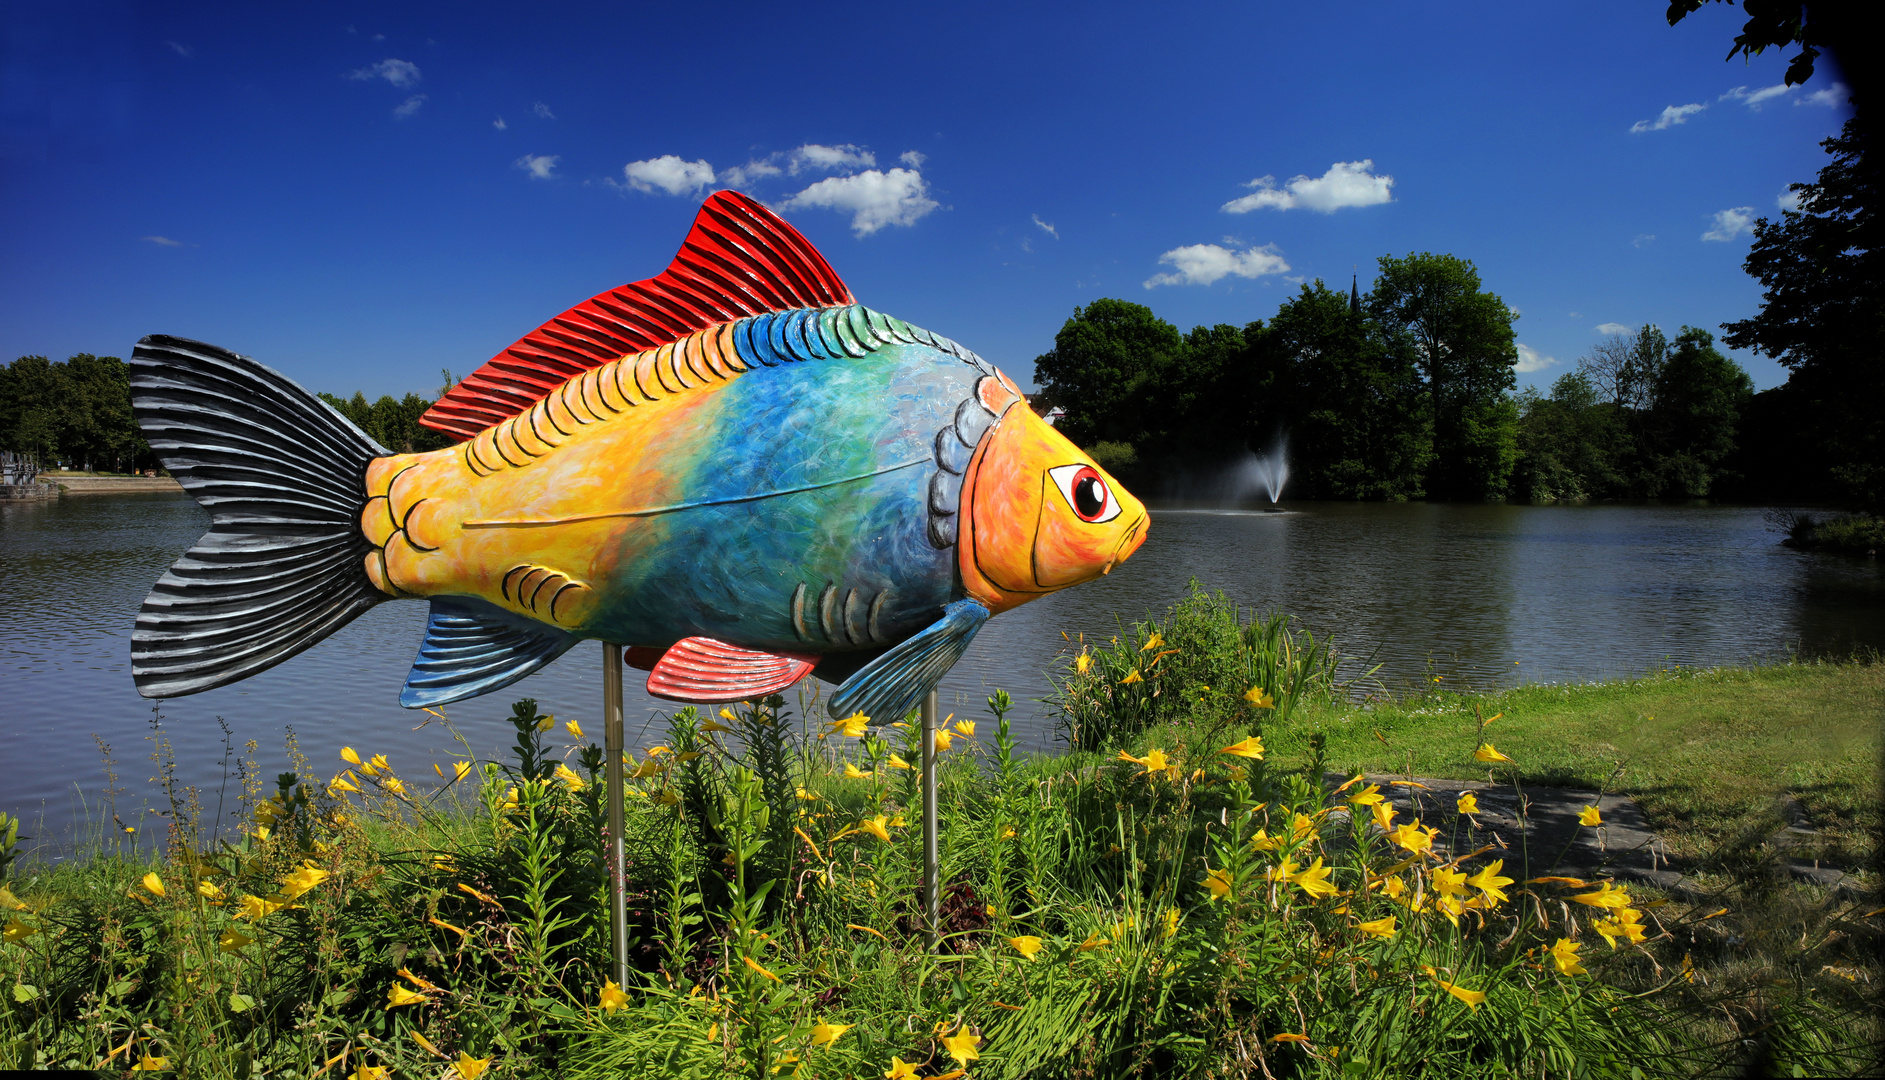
1709,754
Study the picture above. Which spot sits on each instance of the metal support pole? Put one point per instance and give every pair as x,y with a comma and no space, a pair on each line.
932,863
612,791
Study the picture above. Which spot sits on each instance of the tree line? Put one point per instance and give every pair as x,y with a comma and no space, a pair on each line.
1408,391
77,414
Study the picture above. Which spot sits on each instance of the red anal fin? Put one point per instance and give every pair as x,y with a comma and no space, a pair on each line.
739,259
703,670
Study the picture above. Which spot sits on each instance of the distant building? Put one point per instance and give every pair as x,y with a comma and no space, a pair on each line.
1048,412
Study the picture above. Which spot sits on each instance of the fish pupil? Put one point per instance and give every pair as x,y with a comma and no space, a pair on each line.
1089,496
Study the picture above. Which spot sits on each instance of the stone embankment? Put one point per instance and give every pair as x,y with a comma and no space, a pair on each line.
112,485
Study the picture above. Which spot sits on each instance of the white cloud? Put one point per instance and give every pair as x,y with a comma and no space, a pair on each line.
1753,99
164,241
182,50
397,72
1788,200
1347,183
499,124
913,158
543,111
1671,115
670,174
740,176
1643,239
1612,328
1046,228
539,166
1833,96
1731,223
874,199
1202,264
843,158
409,106
1530,359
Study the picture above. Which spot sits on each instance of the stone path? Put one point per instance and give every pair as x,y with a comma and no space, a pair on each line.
1543,836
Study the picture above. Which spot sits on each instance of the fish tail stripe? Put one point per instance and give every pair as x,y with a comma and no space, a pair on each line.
776,336
798,612
877,607
739,260
283,477
645,380
749,340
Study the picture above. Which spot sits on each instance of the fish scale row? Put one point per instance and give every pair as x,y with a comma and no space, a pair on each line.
716,354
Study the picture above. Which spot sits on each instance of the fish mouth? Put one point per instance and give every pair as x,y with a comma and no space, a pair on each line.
1129,543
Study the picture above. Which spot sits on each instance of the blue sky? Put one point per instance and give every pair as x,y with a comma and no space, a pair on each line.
361,195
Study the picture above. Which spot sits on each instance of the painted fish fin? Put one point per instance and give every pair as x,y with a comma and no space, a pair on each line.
740,259
893,684
473,647
701,669
282,476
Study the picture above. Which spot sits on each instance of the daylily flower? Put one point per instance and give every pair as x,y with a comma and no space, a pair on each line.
1082,662
468,1067
255,908
1606,896
852,772
875,826
1132,677
575,729
965,728
1152,642
570,778
397,995
1447,881
1589,816
711,726
1315,880
612,996
1219,882
1472,998
1489,755
233,939
1564,954
896,762
943,742
343,782
851,726
1468,804
460,768
1027,945
379,762
151,1064
509,802
154,883
301,881
1412,837
443,925
808,796
1487,881
824,1034
372,1072
1383,815
1171,921
1258,699
900,1069
961,1046
546,723
1250,747
416,980
1153,761
1263,841
394,784
1381,928
347,755
754,964
645,770
666,797
18,931
1367,796
1006,833
1289,1037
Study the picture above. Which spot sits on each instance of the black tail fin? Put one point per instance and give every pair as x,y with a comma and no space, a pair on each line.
283,477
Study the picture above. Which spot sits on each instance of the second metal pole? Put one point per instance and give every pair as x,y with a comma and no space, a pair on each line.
612,791
932,863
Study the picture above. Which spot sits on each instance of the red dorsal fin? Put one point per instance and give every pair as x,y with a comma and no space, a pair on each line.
701,669
739,259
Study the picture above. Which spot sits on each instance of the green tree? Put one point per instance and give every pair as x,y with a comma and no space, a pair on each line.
100,430
394,423
35,406
1823,316
1569,443
1699,398
1349,396
1462,339
1108,364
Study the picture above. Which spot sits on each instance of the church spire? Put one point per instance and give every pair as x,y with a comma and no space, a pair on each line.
1354,296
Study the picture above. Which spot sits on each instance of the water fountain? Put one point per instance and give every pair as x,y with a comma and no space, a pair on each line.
1270,472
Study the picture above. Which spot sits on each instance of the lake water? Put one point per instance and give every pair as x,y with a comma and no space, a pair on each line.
1489,595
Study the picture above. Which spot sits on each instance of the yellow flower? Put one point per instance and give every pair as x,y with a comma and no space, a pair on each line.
154,883
1007,832
1219,882
808,796
301,881
754,964
1257,698
1487,881
965,728
460,768
1152,642
1171,922
1027,945
372,1072
1153,761
1083,662
575,729
1132,676
1301,828
612,996
1589,816
1412,837
546,723
824,1034
667,797
1289,1037
1489,755
9,902
1381,928
1383,815
900,1069
397,995
852,772
851,726
1606,896
569,777
961,1046
379,762
416,980
255,908
151,1064
19,931
1448,881
233,939
1367,796
711,726
1468,804
1393,886
394,784
443,925
1250,747
1564,954
343,782
347,755
468,1067
896,762
1315,880
943,741
1472,998
645,770
509,802
875,826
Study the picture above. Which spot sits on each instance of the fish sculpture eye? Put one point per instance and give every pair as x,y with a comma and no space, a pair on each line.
1086,491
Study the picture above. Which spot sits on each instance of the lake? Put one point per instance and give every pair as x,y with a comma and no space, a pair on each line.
1486,595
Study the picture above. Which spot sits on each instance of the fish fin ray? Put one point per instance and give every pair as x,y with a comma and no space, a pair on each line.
705,670
894,683
473,647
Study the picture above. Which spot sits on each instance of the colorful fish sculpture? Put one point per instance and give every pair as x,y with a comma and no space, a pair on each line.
732,468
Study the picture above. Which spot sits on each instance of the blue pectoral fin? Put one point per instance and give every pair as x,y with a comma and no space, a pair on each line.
473,647
893,684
